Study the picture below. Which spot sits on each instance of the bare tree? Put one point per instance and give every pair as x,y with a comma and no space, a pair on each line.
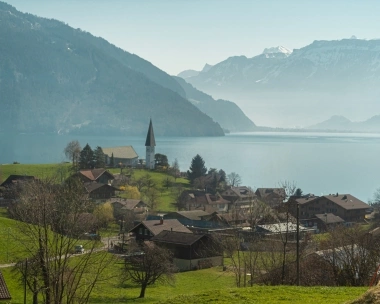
234,179
72,151
174,170
148,266
290,187
51,223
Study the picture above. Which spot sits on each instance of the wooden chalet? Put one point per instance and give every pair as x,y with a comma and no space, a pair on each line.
102,176
5,296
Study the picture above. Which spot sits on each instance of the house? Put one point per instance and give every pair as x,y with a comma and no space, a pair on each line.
5,296
129,207
323,222
200,200
240,197
190,251
99,192
102,176
148,229
272,196
15,180
346,206
122,156
197,219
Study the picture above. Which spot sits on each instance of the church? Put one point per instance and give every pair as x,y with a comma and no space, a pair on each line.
126,156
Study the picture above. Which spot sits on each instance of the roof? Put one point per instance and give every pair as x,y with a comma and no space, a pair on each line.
176,237
126,152
94,186
14,179
329,218
155,226
4,292
203,198
243,191
346,201
127,203
282,228
264,192
150,141
94,174
195,215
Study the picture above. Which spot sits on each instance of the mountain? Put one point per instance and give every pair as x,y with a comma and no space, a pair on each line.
341,123
302,87
58,79
225,112
191,73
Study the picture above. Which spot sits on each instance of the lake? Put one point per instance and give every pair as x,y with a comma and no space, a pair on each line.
320,163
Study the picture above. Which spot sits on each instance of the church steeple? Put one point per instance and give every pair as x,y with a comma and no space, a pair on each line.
150,143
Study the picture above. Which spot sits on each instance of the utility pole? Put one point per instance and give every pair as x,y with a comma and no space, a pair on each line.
298,244
25,278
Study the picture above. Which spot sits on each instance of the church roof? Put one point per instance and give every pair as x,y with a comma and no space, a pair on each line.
150,141
121,152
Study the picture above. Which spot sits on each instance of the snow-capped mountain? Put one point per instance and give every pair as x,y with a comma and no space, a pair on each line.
284,88
191,73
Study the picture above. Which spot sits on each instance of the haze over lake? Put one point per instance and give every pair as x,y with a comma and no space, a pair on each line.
318,162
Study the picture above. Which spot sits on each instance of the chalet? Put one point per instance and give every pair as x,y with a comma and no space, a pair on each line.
125,207
346,206
147,229
271,196
125,156
200,200
99,192
96,175
190,251
240,197
5,296
197,219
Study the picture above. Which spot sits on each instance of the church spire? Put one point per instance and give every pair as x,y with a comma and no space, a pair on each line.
150,141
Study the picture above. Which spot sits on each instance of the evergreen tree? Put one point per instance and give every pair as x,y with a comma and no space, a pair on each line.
112,161
99,157
197,168
86,158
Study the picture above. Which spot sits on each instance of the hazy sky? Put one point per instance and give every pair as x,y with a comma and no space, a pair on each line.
176,34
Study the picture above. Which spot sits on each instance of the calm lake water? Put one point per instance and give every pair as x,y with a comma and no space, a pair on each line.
318,162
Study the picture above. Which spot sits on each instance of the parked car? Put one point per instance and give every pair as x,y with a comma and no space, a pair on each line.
79,249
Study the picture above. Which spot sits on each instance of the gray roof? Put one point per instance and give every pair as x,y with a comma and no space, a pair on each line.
264,192
150,141
195,215
126,152
4,292
329,218
155,226
175,237
127,203
282,228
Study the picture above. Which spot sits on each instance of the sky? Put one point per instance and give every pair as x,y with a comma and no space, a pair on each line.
176,35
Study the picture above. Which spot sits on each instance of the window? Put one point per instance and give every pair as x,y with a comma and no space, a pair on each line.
140,231
146,232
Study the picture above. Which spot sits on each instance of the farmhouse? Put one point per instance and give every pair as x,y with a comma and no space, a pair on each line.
99,192
346,206
240,197
190,251
272,196
197,219
5,296
129,207
124,155
96,175
200,200
147,229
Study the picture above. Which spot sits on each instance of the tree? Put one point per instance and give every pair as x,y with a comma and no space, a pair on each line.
197,168
51,223
103,214
174,170
298,192
72,151
234,179
290,188
99,158
153,265
161,160
112,161
86,159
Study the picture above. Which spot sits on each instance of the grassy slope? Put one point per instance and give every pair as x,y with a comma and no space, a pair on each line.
62,170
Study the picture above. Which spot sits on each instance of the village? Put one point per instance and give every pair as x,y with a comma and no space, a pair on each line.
268,235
